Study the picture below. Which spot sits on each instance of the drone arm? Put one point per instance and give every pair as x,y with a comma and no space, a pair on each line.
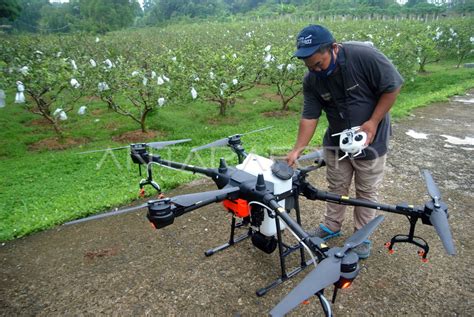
315,243
281,212
191,168
314,194
231,193
162,212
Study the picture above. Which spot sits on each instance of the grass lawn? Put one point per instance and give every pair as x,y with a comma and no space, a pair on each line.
41,188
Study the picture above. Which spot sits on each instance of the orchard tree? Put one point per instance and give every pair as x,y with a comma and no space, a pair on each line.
284,72
133,87
457,39
52,83
220,75
427,42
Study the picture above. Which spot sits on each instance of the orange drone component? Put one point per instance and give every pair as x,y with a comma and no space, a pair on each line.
239,207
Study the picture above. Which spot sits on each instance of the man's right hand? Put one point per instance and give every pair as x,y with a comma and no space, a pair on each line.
292,156
305,133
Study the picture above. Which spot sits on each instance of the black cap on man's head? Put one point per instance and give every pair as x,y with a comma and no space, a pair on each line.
310,40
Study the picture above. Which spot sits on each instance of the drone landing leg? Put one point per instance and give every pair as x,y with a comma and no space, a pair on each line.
232,240
285,250
410,238
298,219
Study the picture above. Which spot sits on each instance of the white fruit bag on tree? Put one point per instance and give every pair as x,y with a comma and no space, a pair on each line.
20,97
2,98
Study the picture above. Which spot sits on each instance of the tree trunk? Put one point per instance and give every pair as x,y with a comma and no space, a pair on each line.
222,107
55,124
142,121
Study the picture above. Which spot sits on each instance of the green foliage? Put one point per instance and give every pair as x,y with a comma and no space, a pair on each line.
30,15
456,38
57,19
284,73
100,16
9,9
50,80
221,74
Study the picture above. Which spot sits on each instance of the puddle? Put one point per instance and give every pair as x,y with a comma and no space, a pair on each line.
416,135
458,141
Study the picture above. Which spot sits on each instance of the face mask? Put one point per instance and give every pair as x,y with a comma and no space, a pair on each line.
328,71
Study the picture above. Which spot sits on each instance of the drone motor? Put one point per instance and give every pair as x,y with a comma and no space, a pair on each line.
160,213
137,150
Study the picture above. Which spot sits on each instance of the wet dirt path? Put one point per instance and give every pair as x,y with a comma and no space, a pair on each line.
120,266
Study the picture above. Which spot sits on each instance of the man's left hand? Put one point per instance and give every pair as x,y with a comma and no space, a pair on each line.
370,128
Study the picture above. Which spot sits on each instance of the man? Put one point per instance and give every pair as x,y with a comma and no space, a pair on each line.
355,85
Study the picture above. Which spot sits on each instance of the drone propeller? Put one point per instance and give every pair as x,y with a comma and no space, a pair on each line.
327,272
182,200
162,144
155,145
106,214
439,217
225,141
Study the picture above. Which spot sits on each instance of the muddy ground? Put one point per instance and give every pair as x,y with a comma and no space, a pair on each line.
121,266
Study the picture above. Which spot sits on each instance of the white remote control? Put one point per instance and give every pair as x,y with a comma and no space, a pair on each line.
351,141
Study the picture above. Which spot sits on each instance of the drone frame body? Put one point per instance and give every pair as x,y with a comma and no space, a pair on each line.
237,188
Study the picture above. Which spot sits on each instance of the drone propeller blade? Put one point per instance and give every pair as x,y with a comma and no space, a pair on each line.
220,142
106,214
225,141
162,144
433,190
205,197
363,233
438,217
258,130
109,149
326,273
439,220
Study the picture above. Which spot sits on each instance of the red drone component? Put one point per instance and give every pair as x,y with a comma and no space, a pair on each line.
239,207
141,193
387,244
391,251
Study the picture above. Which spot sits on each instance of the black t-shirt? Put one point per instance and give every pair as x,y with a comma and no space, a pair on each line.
350,94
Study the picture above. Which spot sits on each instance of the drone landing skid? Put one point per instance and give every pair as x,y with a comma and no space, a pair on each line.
410,238
232,240
284,250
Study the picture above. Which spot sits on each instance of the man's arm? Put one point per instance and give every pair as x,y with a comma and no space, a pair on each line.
383,106
305,133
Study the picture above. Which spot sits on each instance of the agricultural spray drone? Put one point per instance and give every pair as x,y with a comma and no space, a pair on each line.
263,197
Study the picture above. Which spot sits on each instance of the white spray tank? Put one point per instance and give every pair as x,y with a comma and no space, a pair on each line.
255,164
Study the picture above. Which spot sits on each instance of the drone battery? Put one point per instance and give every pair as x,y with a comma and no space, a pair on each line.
239,207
